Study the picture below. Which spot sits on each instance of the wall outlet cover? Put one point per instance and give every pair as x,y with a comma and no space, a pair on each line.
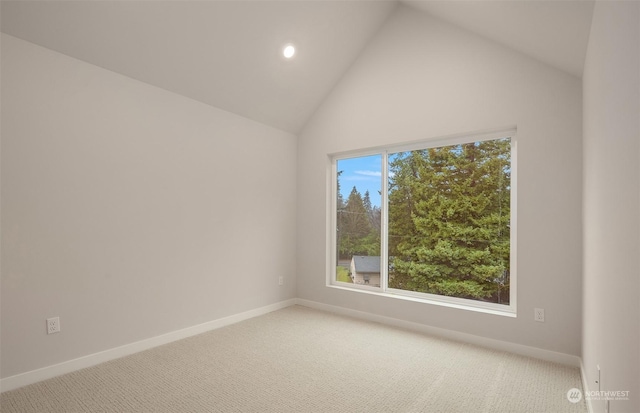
53,325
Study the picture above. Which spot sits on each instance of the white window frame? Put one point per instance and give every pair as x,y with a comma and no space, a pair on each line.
509,310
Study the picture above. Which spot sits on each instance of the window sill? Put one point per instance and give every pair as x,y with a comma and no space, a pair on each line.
508,312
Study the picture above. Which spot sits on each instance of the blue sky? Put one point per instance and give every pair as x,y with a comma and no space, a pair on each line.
365,173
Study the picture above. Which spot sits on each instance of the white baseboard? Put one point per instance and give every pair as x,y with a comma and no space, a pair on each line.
585,387
520,349
30,377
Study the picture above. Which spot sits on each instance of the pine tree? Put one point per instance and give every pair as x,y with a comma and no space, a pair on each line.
373,214
339,198
366,201
449,220
353,225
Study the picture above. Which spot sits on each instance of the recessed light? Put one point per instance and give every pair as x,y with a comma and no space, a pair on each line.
289,51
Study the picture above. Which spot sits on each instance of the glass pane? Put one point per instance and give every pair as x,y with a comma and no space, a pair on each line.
358,219
449,220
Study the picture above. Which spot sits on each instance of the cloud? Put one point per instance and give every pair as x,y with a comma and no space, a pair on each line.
369,173
357,178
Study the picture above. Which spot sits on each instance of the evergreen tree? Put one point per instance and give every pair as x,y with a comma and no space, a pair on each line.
339,215
373,214
366,201
355,225
340,199
449,210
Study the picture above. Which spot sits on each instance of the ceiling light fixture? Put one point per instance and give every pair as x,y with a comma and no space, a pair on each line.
289,51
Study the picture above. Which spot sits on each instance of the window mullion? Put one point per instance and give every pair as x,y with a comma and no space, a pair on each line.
384,233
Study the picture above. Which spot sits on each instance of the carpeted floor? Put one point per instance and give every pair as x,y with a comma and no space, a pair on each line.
303,360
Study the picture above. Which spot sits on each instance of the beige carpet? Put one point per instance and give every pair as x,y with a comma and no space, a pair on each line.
302,360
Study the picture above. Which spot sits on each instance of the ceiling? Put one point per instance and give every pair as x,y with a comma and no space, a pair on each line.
553,31
223,53
228,53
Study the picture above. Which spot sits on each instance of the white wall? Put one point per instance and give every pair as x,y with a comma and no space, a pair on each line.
421,78
611,84
130,211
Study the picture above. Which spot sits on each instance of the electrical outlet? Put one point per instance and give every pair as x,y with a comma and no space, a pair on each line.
53,325
538,314
280,280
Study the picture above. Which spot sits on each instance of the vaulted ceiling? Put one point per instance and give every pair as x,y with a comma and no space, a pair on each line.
228,54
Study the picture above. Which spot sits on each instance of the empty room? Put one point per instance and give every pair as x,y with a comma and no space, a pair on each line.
320,206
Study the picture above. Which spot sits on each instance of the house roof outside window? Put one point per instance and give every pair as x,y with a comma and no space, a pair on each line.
367,264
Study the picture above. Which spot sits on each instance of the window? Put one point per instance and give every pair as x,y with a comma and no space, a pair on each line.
431,222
